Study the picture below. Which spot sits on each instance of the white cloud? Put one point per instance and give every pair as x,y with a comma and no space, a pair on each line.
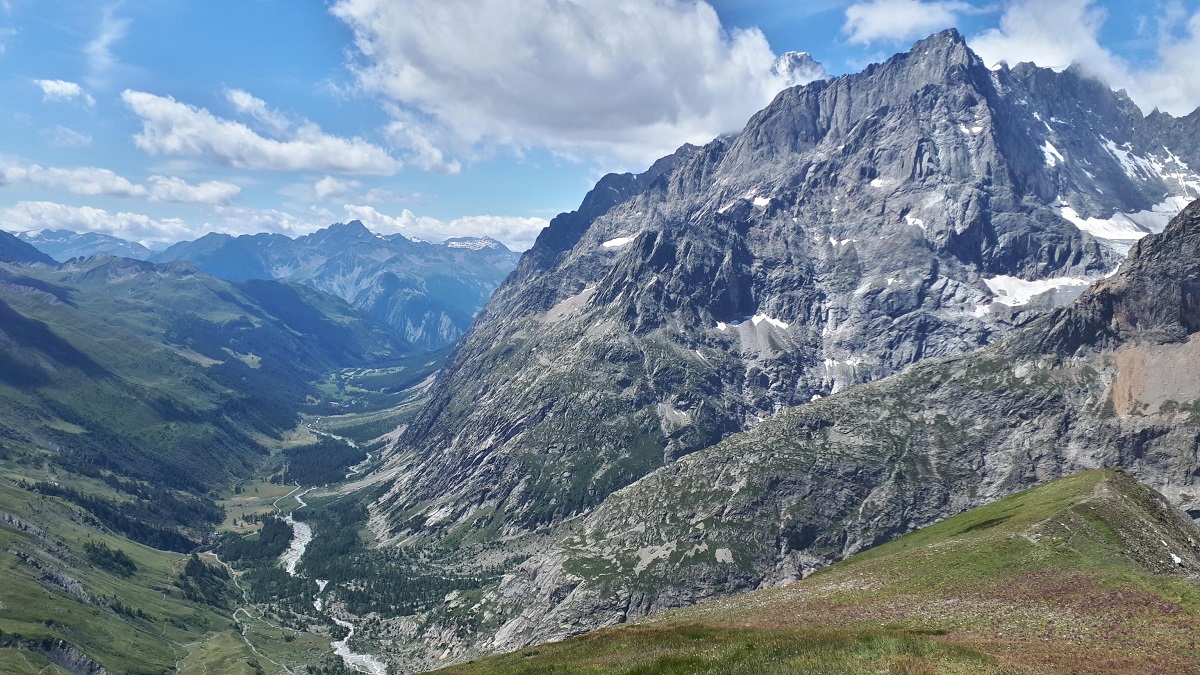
1056,35
331,187
66,137
517,233
88,181
896,21
630,79
132,226
98,50
177,129
95,182
237,219
1052,35
1174,84
171,189
247,104
61,90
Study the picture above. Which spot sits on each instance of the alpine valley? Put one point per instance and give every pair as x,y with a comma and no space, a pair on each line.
901,378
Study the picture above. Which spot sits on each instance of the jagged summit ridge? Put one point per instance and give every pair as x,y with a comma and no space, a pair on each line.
855,226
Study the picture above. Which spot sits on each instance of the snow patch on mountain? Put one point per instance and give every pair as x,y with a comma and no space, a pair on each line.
617,243
1128,226
1016,292
759,318
1053,156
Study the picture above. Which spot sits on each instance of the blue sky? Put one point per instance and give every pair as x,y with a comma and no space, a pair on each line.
160,120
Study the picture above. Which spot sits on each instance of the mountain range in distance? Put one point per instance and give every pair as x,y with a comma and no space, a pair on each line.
429,293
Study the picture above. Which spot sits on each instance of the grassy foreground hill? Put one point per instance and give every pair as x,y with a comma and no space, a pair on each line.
1091,573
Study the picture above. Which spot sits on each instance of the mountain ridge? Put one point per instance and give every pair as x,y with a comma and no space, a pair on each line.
856,225
428,292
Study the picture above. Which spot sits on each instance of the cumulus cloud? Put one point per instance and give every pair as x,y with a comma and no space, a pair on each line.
62,90
628,79
1174,86
1052,35
331,187
96,182
177,129
247,104
132,226
238,219
517,233
88,181
896,21
177,190
1056,35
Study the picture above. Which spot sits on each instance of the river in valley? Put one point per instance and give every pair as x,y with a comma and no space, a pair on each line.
302,536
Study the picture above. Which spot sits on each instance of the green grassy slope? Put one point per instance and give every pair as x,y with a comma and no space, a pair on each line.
1090,573
133,397
164,374
58,605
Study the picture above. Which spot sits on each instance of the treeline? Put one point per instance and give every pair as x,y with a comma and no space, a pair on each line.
169,505
122,518
270,543
112,559
369,580
324,462
204,583
185,455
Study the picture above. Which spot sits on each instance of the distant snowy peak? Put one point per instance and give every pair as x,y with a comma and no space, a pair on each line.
799,68
62,245
473,243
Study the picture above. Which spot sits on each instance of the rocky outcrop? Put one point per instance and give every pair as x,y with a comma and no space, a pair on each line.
823,481
922,208
57,651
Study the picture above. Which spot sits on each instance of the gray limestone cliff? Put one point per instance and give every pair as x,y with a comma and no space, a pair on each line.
922,208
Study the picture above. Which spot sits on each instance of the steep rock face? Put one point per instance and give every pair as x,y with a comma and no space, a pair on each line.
1109,381
857,225
428,292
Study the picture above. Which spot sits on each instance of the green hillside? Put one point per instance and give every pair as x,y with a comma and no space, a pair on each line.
1090,573
134,399
163,374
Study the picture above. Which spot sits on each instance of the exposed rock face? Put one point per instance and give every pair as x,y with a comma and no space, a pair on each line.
919,209
1108,381
428,292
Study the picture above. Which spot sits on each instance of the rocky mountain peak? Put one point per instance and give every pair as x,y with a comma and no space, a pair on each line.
925,207
343,232
799,68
